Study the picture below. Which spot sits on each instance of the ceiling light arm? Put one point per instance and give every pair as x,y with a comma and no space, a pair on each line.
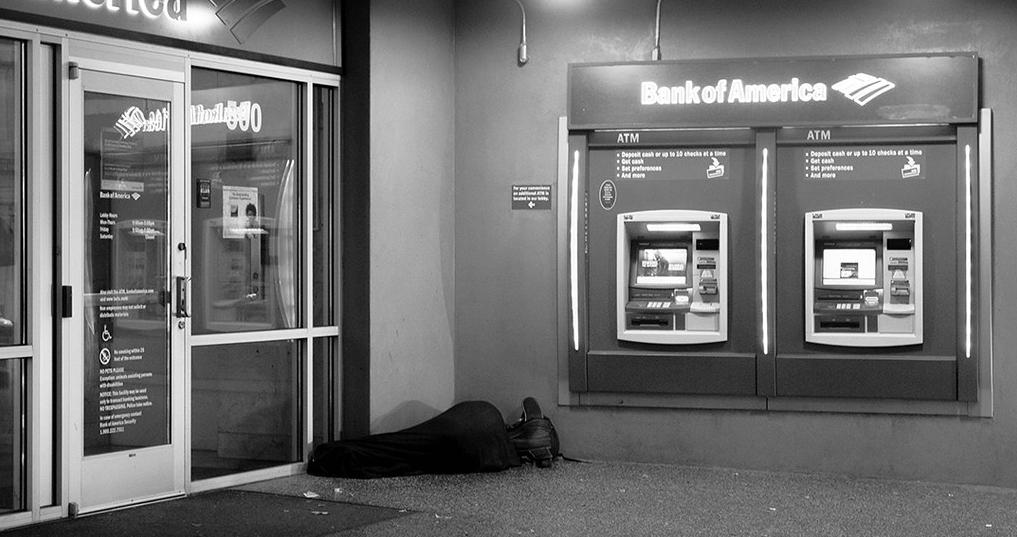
656,35
523,56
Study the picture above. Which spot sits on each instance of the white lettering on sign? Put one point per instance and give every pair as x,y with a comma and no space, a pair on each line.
133,121
152,9
245,116
734,91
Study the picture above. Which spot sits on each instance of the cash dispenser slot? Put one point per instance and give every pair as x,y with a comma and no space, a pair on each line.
651,322
831,323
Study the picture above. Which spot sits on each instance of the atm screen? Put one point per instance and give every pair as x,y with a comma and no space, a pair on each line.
849,267
661,266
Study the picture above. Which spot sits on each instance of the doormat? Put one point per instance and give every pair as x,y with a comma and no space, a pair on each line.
220,513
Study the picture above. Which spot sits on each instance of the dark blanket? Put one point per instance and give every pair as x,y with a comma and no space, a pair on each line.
469,437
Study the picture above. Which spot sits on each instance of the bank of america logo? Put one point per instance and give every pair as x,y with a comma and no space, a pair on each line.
244,17
862,88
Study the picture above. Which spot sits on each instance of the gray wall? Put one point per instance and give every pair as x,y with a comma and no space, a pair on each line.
412,212
505,264
456,122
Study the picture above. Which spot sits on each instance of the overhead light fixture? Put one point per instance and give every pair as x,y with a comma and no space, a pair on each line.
523,56
863,226
672,227
656,36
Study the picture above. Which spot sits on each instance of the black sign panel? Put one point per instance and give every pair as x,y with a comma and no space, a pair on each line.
531,197
775,92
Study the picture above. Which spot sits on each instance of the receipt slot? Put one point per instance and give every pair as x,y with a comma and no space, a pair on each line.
863,270
672,277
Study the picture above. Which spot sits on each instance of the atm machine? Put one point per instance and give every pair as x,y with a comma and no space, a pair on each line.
863,277
672,277
237,268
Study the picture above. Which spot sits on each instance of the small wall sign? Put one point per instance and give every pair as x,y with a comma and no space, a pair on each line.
531,197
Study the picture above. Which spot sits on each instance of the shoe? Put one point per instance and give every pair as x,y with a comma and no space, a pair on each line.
534,436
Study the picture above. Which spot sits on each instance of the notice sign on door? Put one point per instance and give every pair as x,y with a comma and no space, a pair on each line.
240,212
531,197
125,335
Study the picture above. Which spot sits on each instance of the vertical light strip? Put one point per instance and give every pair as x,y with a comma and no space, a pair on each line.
968,212
574,251
764,251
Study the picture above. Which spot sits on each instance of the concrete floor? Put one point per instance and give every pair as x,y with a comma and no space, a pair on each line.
575,499
602,499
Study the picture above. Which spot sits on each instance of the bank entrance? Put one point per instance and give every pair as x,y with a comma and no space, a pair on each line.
171,296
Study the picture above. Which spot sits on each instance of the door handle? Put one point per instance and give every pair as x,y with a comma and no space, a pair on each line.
182,309
66,301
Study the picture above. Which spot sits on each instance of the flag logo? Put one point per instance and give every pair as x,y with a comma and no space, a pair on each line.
863,88
244,17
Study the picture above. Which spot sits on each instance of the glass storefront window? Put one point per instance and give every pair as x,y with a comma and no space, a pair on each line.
12,241
13,297
245,402
12,436
325,390
245,158
324,196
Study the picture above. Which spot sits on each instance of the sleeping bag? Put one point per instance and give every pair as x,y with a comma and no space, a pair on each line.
469,437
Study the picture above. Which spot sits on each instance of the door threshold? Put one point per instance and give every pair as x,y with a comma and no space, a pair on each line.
74,511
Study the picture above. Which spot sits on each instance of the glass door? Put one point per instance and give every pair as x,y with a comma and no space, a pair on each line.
124,345
247,359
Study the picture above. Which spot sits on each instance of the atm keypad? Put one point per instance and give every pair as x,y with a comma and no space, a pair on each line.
848,306
678,301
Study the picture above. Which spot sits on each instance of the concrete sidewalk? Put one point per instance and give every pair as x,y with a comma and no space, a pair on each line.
587,499
570,499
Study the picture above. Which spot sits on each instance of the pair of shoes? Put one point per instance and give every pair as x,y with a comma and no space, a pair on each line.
534,436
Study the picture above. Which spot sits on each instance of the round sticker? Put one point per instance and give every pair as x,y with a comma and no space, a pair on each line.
608,195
